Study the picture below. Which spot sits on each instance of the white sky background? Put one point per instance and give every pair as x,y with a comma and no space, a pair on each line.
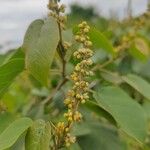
16,15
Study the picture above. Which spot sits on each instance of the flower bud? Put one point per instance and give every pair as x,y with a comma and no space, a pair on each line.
86,30
62,8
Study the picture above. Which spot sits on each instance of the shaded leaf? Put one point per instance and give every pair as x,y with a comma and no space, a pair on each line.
101,137
100,41
112,77
125,111
146,106
68,37
74,147
141,85
38,136
99,111
80,129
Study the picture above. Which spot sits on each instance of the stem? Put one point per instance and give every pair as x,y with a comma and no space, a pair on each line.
61,49
64,69
60,32
50,97
104,64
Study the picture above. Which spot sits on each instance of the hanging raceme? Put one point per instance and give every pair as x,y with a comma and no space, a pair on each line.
79,92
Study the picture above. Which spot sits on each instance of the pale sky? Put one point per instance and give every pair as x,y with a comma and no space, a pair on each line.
16,15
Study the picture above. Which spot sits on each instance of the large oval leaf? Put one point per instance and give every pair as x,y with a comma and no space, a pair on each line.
40,44
101,138
141,85
38,136
10,135
129,115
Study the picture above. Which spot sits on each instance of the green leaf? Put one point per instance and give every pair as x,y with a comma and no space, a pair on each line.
146,106
101,137
40,45
68,37
38,136
100,41
5,57
17,54
10,135
80,129
125,111
74,146
5,119
11,67
13,54
140,49
141,85
112,77
2,58
8,73
99,111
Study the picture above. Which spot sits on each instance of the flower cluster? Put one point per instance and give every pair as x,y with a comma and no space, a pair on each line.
137,25
79,92
3,107
125,42
57,12
141,21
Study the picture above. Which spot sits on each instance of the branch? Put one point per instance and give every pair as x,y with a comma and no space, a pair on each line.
104,64
61,49
50,97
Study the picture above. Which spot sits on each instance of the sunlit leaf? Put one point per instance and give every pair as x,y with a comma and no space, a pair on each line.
40,45
10,135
